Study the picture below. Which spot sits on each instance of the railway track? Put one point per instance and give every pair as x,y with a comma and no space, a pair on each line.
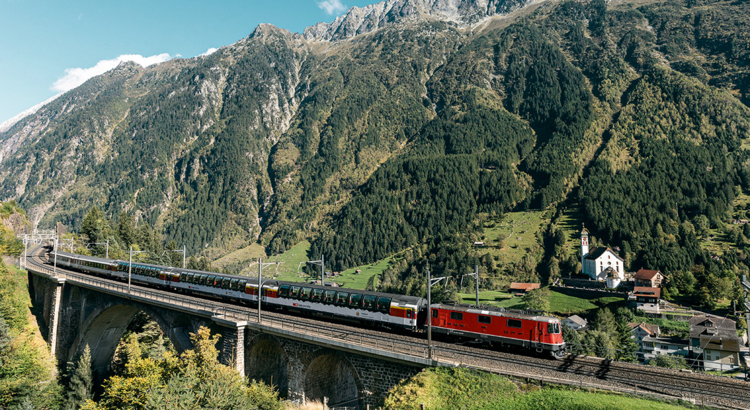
572,370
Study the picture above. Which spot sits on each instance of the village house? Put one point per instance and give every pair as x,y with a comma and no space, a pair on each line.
648,278
522,288
596,263
641,331
575,322
659,346
645,299
714,341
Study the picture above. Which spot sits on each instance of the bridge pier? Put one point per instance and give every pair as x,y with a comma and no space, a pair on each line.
55,314
232,351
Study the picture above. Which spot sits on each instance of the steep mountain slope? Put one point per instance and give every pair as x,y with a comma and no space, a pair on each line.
405,124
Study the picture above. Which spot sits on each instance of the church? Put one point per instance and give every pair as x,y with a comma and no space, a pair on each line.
601,263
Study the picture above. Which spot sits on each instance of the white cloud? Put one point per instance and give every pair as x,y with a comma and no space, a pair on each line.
332,6
76,76
208,52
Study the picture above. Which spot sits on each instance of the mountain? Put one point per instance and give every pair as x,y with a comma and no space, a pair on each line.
406,125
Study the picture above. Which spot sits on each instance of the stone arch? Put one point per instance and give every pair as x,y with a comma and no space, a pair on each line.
330,374
103,328
266,360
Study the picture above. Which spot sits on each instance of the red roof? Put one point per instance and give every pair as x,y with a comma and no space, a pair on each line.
647,291
523,286
645,274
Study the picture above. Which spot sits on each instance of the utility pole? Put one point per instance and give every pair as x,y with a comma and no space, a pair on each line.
476,281
261,265
183,251
322,264
130,264
103,243
54,269
430,283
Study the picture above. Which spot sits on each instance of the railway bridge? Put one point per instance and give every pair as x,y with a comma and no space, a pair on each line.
303,361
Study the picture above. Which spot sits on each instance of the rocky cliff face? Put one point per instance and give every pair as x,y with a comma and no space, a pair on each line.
361,20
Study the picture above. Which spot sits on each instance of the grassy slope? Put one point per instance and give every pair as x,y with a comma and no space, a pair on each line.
559,303
519,230
444,388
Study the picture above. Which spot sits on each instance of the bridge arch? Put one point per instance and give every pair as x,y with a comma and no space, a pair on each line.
103,328
266,360
328,373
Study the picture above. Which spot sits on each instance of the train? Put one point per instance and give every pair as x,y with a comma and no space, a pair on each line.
531,331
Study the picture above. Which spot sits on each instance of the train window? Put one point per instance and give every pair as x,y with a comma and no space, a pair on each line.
342,298
304,294
369,302
457,316
408,313
234,283
294,292
204,279
514,323
191,278
329,296
484,319
225,283
384,305
243,286
211,280
355,301
553,328
183,277
434,313
284,291
317,295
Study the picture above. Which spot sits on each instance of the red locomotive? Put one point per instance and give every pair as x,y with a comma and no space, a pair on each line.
540,333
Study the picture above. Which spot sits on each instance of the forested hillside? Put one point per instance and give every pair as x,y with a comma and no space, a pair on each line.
416,135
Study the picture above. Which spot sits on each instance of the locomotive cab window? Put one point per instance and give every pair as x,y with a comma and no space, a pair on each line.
514,323
457,316
384,305
484,319
369,302
317,295
553,328
434,313
329,296
284,291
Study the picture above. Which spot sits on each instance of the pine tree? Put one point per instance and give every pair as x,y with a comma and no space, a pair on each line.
81,383
572,339
126,229
627,347
25,404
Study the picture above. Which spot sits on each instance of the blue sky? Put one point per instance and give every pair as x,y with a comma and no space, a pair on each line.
41,39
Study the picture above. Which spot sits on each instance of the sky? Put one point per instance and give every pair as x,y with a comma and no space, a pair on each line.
50,46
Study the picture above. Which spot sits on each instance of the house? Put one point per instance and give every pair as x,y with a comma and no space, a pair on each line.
646,298
641,331
714,341
648,278
596,262
658,346
575,322
521,288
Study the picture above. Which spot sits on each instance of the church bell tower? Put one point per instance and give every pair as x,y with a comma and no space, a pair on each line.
584,246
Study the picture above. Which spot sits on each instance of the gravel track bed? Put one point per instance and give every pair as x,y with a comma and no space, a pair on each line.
575,369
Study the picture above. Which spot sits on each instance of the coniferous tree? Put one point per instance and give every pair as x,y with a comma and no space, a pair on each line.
627,347
126,229
81,383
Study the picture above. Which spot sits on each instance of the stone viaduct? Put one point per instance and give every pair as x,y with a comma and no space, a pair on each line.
78,311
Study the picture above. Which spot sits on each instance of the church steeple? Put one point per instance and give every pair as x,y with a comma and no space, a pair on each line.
584,244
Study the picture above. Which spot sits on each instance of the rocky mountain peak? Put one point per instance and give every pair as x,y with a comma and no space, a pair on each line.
361,20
